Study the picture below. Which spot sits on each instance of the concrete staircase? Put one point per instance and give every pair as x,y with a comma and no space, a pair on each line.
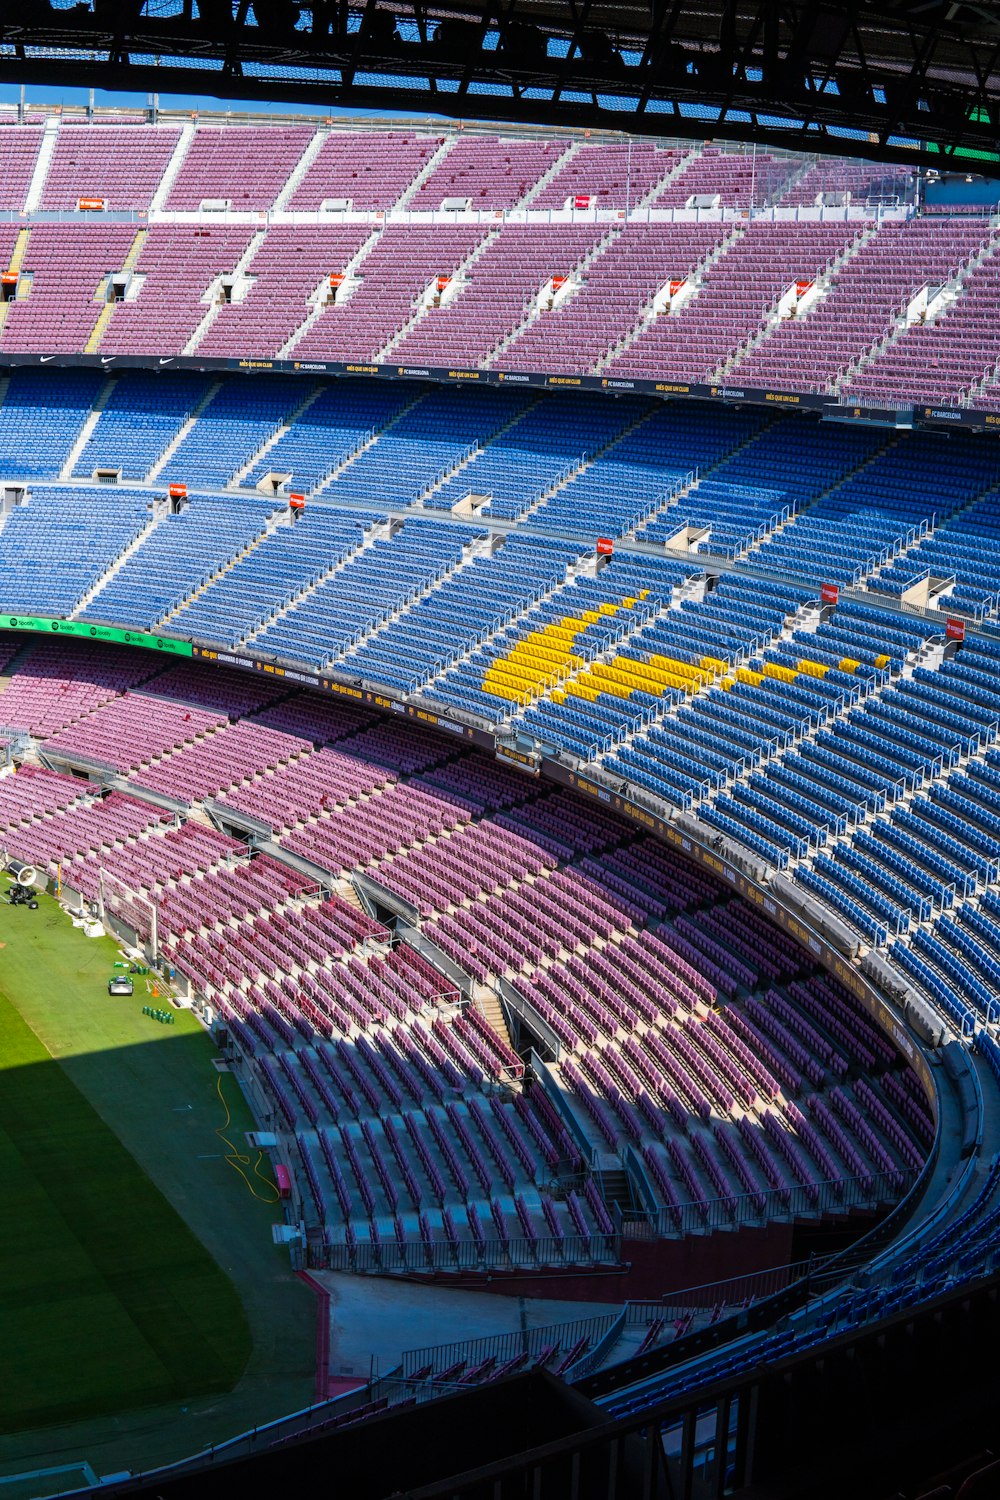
90,422
83,603
343,658
538,305
172,168
458,276
823,286
373,534
20,246
319,297
273,522
649,201
369,442
651,311
548,176
464,463
43,161
179,437
104,316
426,171
215,304
99,329
756,553
487,1002
582,467
279,432
945,298
16,261
300,169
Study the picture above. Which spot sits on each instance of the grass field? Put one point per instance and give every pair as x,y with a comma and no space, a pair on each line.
108,1300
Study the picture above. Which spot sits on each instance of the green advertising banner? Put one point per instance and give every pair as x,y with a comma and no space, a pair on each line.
82,629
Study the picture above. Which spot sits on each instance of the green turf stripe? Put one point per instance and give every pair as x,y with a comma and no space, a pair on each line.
106,1297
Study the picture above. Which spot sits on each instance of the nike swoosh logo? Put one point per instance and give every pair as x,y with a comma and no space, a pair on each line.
44,358
166,361
106,359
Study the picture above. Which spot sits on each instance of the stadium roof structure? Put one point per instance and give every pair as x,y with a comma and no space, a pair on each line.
897,79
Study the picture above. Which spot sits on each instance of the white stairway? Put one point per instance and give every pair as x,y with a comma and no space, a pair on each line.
173,167
43,161
90,422
176,441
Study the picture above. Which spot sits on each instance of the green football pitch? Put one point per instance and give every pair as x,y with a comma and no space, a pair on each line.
108,1300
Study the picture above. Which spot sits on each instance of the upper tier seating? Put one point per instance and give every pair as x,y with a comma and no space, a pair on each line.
869,292
19,146
365,171
711,294
862,183
637,263
612,175
498,294
489,172
394,274
739,179
245,166
736,300
120,167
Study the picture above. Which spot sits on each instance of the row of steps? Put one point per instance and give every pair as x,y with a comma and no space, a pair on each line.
823,286
369,442
174,165
373,534
196,411
948,294
459,276
537,306
90,422
470,458
278,433
213,297
320,298
651,311
343,658
274,520
85,601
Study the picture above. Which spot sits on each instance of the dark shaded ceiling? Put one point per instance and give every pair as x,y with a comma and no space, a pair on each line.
900,79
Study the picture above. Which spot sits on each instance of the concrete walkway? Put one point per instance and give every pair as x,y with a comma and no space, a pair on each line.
375,1320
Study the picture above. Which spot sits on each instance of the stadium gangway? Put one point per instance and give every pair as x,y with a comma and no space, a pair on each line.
557,1098
804,1200
514,1000
504,1346
415,1257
